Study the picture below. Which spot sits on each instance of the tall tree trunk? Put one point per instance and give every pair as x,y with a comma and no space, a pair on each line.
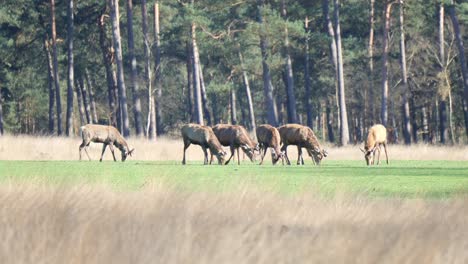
405,103
92,101
291,98
190,88
245,79
369,100
1,115
69,121
233,106
84,94
331,135
158,81
151,122
133,73
214,103
196,76
56,74
114,6
385,44
80,104
50,77
268,89
443,105
414,124
308,86
443,121
425,124
344,130
206,109
111,77
462,59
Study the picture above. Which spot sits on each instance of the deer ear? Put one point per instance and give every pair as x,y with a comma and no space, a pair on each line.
130,152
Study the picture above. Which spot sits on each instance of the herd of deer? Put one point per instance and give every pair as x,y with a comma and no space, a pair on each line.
235,137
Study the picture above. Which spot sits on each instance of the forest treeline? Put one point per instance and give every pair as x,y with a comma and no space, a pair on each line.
146,67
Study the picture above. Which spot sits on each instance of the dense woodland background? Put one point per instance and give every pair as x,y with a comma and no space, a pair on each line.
149,66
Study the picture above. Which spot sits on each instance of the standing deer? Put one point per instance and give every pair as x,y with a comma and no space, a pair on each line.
107,135
235,137
205,138
302,137
376,137
269,137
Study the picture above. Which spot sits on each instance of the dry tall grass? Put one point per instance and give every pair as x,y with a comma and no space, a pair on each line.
54,148
46,224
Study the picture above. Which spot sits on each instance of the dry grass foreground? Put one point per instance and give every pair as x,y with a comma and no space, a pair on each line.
60,148
94,224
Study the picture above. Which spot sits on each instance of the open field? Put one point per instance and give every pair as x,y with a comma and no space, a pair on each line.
55,209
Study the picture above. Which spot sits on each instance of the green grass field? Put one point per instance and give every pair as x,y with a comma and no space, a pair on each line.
428,179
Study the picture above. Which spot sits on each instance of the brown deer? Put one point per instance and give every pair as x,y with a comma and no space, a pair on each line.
302,137
269,137
376,137
205,138
235,137
107,135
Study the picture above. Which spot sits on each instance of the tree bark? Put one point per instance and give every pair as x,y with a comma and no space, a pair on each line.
386,29
133,73
55,63
158,81
245,79
50,77
1,115
290,97
206,108
331,135
196,77
308,86
233,106
70,81
84,94
344,130
92,101
443,105
405,103
111,77
114,6
369,100
268,89
462,59
190,92
80,104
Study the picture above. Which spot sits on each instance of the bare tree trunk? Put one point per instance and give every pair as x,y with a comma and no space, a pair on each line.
114,6
369,100
331,135
233,103
196,77
344,130
1,115
133,73
50,77
462,59
214,103
80,104
308,86
443,105
158,82
108,55
386,29
84,94
405,103
245,79
290,97
69,121
92,101
268,89
190,92
425,123
206,109
56,74
151,122
414,124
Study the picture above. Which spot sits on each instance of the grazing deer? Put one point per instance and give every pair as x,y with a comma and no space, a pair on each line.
107,135
269,137
205,138
302,137
235,137
376,137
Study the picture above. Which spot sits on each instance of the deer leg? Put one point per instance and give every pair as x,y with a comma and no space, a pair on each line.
103,150
299,156
232,154
186,145
238,159
111,147
205,152
285,149
378,156
262,156
385,148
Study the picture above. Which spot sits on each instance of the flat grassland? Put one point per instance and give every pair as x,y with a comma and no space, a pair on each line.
151,209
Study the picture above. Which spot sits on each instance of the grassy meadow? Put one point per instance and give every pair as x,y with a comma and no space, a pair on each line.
56,209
